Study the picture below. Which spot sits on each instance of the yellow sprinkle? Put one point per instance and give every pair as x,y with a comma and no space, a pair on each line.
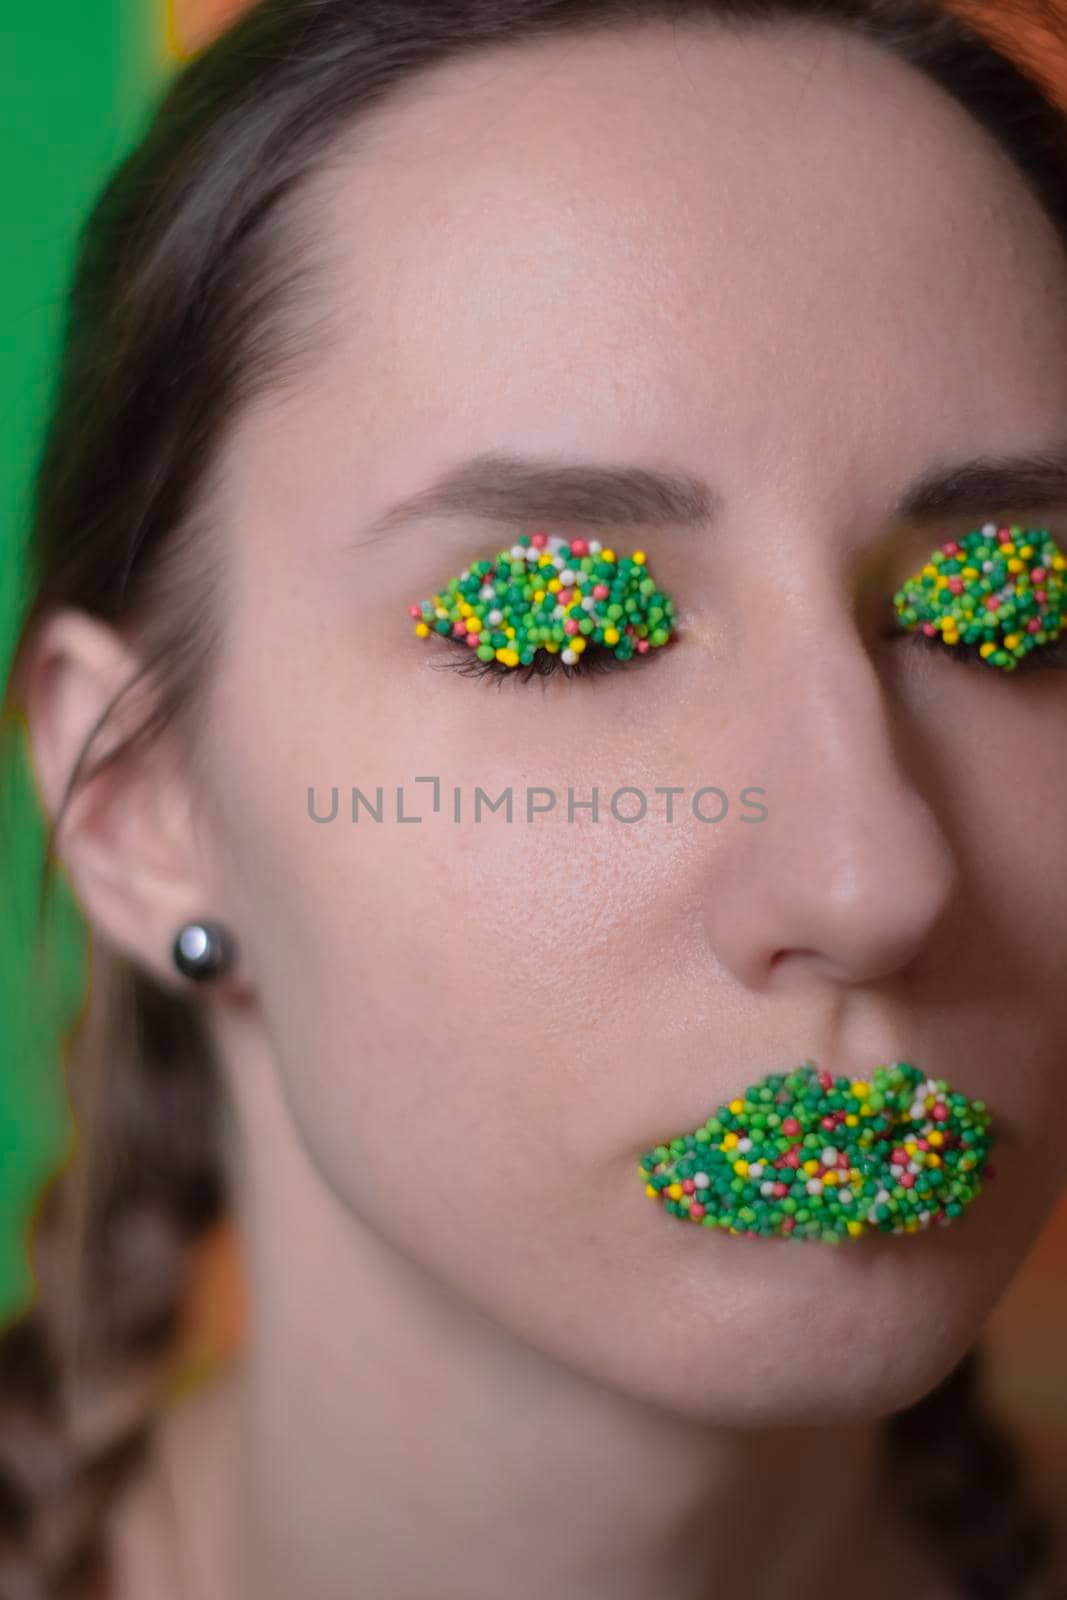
421,629
1059,562
932,1160
856,1229
1007,550
578,644
811,1168
1015,565
539,594
638,557
851,1120
1027,550
474,624
729,1140
465,608
741,1168
607,555
611,635
551,645
866,1110
675,1191
1013,640
737,1106
860,1089
929,571
650,1191
546,561
986,650
554,586
935,1137
854,1175
970,572
831,1178
510,658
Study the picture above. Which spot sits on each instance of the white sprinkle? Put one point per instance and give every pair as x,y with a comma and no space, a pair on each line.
829,1157
766,1189
989,529
701,1180
495,617
465,574
756,1169
569,657
566,576
744,1144
846,1195
987,566
557,611
486,592
589,604
518,552
814,1186
882,1196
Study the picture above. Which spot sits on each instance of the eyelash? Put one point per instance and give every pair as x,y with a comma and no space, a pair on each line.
591,664
597,663
1050,656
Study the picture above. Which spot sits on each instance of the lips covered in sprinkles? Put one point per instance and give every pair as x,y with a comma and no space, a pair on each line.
805,1155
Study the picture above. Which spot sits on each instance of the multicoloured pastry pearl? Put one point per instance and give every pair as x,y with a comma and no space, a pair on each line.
1001,589
547,593
804,1155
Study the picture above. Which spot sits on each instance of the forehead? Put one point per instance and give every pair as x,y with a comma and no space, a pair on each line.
692,233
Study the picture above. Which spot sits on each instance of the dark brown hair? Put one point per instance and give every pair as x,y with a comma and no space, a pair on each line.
195,290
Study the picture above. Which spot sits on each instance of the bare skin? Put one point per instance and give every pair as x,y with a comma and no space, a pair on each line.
482,1361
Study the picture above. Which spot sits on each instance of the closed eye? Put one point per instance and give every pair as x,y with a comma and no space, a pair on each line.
1052,655
592,663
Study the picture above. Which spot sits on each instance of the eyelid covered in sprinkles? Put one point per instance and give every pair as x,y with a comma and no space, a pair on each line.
551,594
1001,589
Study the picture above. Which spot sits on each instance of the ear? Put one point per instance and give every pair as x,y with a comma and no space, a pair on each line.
128,838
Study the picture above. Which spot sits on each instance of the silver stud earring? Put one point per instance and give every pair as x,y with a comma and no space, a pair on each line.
203,950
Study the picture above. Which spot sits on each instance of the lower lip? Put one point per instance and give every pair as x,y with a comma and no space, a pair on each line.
804,1155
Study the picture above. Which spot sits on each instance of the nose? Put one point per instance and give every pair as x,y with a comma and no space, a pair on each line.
850,872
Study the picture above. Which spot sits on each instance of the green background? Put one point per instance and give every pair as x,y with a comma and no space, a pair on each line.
76,80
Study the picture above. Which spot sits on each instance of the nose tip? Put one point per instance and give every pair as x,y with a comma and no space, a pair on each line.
876,909
852,870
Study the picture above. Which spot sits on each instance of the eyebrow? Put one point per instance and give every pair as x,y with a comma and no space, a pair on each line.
520,488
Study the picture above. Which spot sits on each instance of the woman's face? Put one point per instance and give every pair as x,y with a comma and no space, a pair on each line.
784,264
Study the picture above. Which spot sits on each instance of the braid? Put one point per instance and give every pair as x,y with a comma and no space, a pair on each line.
81,1372
964,1481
